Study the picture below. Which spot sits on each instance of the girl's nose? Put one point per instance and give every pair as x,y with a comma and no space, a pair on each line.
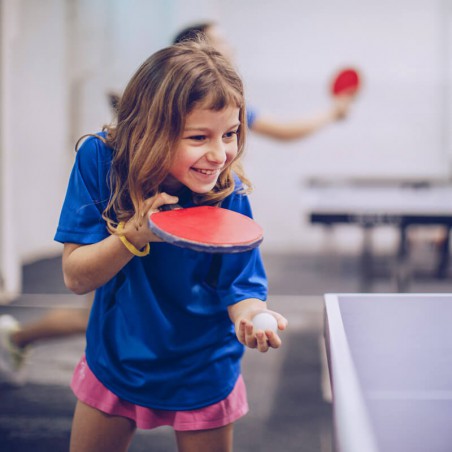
217,152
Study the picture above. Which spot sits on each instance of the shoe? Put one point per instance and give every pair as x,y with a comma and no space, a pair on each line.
12,358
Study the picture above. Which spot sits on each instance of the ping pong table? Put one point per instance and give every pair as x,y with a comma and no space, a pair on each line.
400,206
390,364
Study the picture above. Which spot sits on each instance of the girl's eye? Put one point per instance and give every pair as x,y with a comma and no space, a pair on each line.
231,133
197,137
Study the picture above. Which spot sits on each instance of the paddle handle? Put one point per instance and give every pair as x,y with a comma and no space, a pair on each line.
167,207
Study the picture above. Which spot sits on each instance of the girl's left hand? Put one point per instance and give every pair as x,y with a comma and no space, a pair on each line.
262,340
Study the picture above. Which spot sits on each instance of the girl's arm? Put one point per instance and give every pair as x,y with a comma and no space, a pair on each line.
302,127
241,315
87,267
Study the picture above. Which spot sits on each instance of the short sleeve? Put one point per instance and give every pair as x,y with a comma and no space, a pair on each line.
241,275
87,195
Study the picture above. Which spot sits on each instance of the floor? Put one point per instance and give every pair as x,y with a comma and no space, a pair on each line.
286,387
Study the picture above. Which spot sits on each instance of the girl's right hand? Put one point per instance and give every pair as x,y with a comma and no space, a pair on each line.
342,105
136,230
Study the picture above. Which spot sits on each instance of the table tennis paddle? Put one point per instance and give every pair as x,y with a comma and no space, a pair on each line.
206,228
347,81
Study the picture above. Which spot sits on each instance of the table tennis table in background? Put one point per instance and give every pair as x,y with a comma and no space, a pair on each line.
372,205
390,363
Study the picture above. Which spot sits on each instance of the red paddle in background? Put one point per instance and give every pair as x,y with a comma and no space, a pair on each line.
346,82
206,228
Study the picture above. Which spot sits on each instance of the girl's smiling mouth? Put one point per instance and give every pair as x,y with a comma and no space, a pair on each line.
206,171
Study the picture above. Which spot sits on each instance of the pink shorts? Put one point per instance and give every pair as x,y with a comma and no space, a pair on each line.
89,390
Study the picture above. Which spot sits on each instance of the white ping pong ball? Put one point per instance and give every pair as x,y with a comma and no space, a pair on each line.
265,321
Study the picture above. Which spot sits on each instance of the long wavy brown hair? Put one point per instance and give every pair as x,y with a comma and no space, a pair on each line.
151,118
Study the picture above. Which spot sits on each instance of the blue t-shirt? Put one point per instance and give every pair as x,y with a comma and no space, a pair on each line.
159,334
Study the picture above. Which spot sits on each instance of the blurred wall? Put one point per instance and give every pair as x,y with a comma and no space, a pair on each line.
59,59
33,130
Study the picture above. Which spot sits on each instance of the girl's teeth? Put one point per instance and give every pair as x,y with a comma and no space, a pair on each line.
203,171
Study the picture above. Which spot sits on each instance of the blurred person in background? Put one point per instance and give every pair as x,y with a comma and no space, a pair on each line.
265,125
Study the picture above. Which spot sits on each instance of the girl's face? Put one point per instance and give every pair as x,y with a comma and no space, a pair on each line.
208,144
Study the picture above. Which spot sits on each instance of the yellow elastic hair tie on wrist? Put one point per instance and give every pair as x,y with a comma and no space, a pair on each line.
129,245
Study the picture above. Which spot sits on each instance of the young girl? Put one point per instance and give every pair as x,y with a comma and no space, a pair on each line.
168,325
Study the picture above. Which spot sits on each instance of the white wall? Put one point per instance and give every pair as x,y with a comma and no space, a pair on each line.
110,39
64,55
40,127
34,129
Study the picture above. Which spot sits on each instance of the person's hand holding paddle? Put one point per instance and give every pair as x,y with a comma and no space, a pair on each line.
136,230
341,106
344,89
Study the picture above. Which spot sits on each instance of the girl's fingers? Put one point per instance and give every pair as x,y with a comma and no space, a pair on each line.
152,205
267,339
262,340
241,331
273,339
262,343
155,202
250,337
282,321
161,199
245,334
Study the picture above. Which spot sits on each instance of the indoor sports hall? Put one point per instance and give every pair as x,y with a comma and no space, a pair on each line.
358,202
